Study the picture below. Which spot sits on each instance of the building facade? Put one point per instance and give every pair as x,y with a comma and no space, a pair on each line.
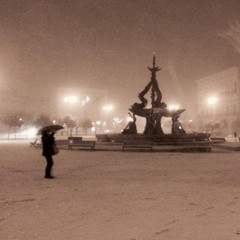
218,102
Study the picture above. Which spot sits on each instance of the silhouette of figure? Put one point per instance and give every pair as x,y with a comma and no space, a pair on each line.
131,127
49,149
177,126
142,98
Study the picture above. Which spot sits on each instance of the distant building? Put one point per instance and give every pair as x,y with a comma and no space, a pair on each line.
219,102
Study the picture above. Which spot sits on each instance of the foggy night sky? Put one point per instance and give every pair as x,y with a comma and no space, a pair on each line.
110,43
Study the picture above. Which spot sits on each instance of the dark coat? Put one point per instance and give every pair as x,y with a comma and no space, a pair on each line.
47,144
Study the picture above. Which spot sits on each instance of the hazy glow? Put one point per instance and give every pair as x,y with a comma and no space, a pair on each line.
108,108
96,51
172,107
85,100
70,99
212,100
117,120
128,119
30,132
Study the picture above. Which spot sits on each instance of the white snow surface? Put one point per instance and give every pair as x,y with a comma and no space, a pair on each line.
99,195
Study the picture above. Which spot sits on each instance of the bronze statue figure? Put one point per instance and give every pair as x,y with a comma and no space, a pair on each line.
131,127
177,126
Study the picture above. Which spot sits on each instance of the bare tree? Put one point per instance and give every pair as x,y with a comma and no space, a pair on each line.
86,124
13,121
70,123
233,35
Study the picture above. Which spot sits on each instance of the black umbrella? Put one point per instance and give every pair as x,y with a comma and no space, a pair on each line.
50,128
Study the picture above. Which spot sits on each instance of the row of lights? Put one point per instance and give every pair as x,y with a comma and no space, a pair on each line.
74,99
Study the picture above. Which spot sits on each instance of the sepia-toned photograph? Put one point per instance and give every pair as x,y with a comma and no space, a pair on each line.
120,119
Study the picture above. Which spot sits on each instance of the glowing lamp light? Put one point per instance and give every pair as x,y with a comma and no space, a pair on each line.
98,122
108,108
32,131
173,107
70,99
85,100
212,100
128,119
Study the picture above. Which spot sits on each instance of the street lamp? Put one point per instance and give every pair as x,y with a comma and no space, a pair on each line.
108,108
212,101
70,99
85,100
173,107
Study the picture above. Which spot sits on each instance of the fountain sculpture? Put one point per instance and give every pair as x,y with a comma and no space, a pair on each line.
153,129
158,108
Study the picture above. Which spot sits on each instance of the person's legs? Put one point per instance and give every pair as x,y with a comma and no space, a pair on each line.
48,167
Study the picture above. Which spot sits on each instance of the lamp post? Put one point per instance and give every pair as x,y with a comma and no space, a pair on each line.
212,101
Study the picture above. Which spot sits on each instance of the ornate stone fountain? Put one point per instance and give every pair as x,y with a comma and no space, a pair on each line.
153,114
158,109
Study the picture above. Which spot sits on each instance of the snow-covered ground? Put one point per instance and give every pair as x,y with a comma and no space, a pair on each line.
119,195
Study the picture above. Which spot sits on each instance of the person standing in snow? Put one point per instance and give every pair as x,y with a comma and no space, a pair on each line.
49,149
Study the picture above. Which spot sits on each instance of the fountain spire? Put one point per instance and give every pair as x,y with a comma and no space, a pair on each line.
154,69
